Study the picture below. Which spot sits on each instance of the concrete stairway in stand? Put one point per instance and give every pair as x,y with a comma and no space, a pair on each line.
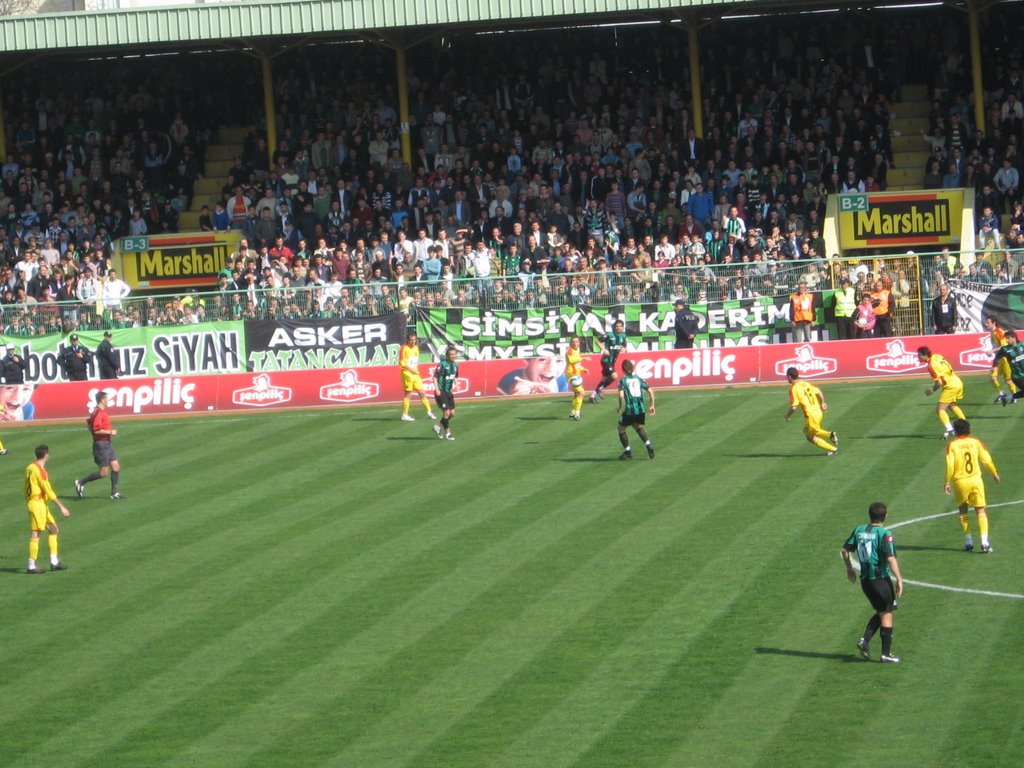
219,160
910,151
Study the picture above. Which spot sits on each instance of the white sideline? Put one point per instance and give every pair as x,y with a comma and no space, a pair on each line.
943,587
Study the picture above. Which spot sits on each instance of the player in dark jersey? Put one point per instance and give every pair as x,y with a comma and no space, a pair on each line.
612,346
445,374
1013,354
632,409
876,553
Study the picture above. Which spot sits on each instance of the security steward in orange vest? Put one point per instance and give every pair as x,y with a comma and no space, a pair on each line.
881,300
801,312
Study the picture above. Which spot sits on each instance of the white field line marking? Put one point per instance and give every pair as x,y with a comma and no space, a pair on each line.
950,514
943,587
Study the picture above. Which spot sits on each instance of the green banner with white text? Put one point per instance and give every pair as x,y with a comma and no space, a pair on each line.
516,333
151,351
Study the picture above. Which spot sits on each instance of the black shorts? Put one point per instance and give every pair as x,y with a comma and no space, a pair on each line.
632,419
880,594
607,369
445,401
103,453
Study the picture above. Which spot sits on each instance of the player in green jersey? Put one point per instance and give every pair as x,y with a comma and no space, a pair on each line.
445,375
1013,353
632,409
876,553
611,346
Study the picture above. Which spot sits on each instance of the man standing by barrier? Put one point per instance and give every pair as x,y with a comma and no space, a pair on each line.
846,308
106,359
103,452
687,324
801,307
74,360
881,301
944,314
113,291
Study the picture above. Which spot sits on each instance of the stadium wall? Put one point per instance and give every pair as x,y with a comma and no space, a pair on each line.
705,367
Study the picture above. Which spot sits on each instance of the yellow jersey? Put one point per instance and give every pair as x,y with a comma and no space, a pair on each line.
965,457
804,395
999,338
37,484
573,363
941,370
409,357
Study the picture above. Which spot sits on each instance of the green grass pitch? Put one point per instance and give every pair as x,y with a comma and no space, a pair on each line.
338,588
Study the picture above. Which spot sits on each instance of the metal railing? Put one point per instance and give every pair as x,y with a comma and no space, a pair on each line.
695,284
912,279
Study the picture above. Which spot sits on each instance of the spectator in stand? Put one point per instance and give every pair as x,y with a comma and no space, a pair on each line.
944,311
1007,182
988,230
221,219
112,291
530,156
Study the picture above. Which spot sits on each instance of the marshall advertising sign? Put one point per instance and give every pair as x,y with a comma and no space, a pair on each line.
900,218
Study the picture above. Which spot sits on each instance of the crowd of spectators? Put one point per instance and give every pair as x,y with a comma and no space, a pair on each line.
547,168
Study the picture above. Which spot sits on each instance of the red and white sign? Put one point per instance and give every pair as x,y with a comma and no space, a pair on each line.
262,393
896,359
693,367
349,389
980,356
807,363
140,395
703,367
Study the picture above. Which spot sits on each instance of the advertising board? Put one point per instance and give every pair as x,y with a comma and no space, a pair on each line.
880,219
186,260
726,366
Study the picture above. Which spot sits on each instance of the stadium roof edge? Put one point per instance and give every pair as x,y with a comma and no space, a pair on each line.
206,23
